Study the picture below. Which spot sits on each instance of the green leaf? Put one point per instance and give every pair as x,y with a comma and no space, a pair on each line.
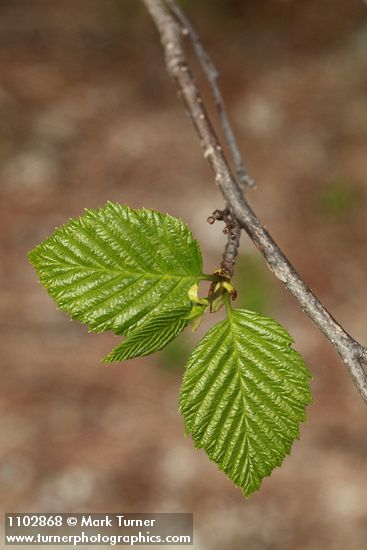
151,335
116,267
243,396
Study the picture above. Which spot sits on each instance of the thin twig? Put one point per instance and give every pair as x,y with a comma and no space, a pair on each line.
231,249
212,75
352,353
233,230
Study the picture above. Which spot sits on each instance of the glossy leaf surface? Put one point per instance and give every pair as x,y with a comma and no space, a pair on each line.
150,336
115,267
244,395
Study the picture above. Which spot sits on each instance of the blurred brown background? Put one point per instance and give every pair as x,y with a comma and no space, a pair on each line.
88,114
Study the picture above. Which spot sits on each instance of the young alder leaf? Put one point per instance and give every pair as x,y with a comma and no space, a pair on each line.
151,335
115,267
243,396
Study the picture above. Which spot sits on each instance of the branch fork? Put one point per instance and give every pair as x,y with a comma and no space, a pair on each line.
172,24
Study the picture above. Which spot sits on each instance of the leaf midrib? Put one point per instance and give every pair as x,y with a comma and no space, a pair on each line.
239,373
147,274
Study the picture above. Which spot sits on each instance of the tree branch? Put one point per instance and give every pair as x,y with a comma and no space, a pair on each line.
212,75
353,354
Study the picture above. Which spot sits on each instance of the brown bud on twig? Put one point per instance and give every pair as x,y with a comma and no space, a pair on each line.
218,214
